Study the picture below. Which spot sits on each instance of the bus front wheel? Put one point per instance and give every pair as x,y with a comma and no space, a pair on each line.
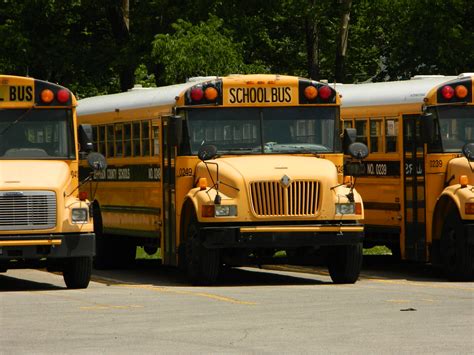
77,272
344,263
456,254
202,263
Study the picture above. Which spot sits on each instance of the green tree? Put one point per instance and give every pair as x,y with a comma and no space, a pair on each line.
429,37
198,50
63,41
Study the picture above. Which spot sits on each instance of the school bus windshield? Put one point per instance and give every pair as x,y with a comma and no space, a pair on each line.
455,128
262,130
36,134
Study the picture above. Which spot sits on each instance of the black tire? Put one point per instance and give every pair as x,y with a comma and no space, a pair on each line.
77,272
456,254
202,264
344,263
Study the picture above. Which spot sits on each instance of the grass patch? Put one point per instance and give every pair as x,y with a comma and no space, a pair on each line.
141,254
378,250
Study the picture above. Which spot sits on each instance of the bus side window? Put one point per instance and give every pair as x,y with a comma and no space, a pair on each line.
145,138
95,138
375,135
347,123
361,128
101,144
136,139
118,140
156,140
127,140
391,134
110,141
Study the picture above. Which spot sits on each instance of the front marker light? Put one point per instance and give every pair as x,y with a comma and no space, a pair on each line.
226,210
469,208
79,215
345,208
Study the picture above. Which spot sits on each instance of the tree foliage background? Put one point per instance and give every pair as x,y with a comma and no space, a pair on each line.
97,47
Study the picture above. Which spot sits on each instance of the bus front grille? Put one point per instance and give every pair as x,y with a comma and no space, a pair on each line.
27,210
272,198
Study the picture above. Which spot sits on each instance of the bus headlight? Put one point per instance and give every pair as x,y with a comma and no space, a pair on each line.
225,210
79,215
345,208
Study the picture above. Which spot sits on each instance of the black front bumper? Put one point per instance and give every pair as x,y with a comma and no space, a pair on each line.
281,236
46,246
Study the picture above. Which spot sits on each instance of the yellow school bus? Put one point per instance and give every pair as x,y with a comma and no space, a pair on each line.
417,182
44,221
224,171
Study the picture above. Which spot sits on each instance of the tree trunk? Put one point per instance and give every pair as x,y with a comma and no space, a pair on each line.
118,15
342,39
312,42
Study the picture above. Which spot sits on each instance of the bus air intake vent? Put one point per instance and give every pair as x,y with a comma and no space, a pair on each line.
27,210
272,198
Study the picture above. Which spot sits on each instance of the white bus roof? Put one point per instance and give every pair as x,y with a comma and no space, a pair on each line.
389,92
132,99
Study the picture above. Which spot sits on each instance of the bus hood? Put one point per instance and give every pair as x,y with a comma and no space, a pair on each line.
33,175
234,170
458,167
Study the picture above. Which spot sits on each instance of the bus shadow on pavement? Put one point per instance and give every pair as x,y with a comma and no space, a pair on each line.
388,267
151,272
13,284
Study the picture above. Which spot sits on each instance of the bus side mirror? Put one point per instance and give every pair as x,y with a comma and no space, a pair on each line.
97,161
349,137
428,127
207,152
468,151
358,150
85,138
175,129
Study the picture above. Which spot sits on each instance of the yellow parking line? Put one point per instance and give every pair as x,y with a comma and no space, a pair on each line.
189,293
161,289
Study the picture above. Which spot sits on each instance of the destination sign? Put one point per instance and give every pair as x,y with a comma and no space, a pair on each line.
274,95
16,93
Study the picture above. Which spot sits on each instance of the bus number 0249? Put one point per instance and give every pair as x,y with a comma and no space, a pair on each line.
437,163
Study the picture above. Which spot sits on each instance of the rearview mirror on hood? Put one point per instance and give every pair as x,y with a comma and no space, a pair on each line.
468,151
358,150
97,161
207,152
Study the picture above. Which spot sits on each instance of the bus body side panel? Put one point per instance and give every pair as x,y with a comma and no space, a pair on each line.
130,191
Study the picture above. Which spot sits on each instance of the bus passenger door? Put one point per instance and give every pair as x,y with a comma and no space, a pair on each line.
414,190
169,187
